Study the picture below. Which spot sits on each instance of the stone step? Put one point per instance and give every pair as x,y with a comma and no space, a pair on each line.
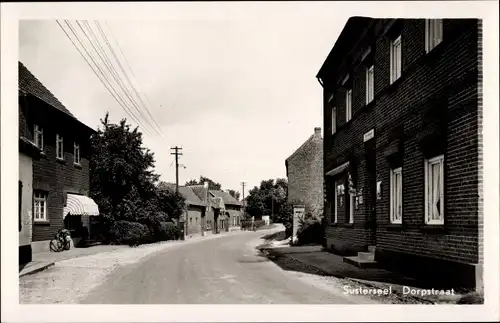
360,263
372,249
366,255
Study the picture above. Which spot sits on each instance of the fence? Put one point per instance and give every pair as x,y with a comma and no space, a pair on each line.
253,225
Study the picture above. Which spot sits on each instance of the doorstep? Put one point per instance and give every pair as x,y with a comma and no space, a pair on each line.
34,267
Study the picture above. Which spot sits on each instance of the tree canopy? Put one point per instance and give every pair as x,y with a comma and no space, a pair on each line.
211,184
234,194
122,178
268,198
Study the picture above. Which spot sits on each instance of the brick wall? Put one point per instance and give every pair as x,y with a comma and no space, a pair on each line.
448,74
305,175
54,177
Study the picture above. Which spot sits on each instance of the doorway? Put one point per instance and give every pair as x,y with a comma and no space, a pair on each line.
371,203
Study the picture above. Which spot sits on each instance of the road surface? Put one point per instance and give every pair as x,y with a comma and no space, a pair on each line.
227,270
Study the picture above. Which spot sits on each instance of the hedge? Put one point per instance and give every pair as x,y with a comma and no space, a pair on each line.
135,233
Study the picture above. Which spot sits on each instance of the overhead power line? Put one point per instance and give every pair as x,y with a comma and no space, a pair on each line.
101,74
108,86
116,76
123,70
132,71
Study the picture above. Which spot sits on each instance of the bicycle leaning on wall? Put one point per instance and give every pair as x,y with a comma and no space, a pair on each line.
61,241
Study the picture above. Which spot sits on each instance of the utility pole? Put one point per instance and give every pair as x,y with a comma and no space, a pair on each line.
177,154
243,199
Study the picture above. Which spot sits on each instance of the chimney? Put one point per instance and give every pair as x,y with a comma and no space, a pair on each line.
317,132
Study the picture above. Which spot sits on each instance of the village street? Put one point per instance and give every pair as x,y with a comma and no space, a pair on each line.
223,270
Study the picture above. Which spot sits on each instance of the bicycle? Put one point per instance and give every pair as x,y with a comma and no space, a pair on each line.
61,241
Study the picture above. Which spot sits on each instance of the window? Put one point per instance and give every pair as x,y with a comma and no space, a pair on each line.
76,154
433,33
38,134
59,147
336,193
348,105
434,190
396,197
20,205
396,59
334,120
370,85
40,206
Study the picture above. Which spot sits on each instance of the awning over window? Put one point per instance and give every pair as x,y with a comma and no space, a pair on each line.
80,205
338,169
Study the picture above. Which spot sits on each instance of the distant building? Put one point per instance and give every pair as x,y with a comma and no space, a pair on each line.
195,211
223,212
304,169
403,146
59,185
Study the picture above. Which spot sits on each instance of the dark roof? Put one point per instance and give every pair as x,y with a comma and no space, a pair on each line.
347,38
28,83
188,194
199,191
226,197
309,140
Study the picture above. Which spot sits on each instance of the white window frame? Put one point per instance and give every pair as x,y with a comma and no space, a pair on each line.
76,154
370,84
348,105
39,197
427,182
433,33
395,59
334,120
396,195
59,147
38,131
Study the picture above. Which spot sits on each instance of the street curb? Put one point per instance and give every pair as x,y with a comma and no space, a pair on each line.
358,281
36,269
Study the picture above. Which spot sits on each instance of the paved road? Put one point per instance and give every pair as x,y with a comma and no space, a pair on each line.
227,270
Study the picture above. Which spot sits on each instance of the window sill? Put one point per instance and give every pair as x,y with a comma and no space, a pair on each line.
394,85
43,154
433,228
79,166
60,160
348,225
47,222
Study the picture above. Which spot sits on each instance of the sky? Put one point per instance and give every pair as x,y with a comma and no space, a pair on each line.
237,93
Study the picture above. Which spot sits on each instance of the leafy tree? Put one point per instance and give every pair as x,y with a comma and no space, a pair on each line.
268,198
211,184
122,178
234,194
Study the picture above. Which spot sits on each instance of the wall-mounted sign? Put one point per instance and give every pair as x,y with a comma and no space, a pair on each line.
369,135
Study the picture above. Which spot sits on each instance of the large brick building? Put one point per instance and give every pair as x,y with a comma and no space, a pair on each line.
60,176
403,146
304,169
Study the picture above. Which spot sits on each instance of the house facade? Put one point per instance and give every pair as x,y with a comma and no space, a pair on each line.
223,212
60,176
403,146
304,169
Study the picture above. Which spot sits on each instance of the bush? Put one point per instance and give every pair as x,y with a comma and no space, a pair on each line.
169,231
129,233
310,232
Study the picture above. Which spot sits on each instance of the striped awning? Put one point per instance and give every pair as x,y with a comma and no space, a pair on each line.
80,205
